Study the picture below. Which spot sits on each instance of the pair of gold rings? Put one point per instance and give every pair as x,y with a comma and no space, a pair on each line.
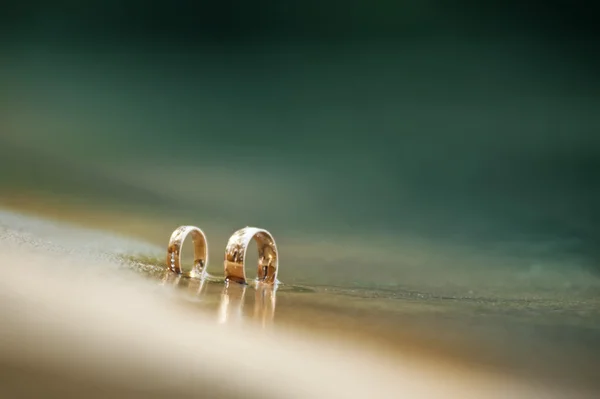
235,252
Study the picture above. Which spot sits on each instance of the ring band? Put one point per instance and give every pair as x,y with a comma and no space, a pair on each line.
235,252
200,250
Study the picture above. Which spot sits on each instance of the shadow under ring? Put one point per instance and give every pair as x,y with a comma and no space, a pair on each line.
235,254
200,251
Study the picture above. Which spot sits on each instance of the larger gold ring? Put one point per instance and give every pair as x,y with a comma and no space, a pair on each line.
200,250
235,252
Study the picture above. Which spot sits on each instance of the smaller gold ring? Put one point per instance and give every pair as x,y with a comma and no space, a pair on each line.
200,250
235,253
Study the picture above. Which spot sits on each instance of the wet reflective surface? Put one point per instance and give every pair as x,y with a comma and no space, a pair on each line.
541,336
536,337
234,302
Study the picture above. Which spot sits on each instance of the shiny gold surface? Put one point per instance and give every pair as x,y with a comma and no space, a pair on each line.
200,251
235,254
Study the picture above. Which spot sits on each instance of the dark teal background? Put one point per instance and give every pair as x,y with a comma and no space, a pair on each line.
464,124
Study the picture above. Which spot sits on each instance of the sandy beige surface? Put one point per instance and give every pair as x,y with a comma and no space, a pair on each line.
75,324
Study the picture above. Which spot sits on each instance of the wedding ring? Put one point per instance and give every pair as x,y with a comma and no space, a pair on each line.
235,252
200,251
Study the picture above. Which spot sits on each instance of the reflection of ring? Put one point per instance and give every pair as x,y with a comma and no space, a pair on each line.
195,286
232,303
264,303
200,250
236,252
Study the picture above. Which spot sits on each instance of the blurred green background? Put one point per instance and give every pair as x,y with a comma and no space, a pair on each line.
382,143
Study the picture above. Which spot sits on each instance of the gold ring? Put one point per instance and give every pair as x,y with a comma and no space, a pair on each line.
235,252
200,250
